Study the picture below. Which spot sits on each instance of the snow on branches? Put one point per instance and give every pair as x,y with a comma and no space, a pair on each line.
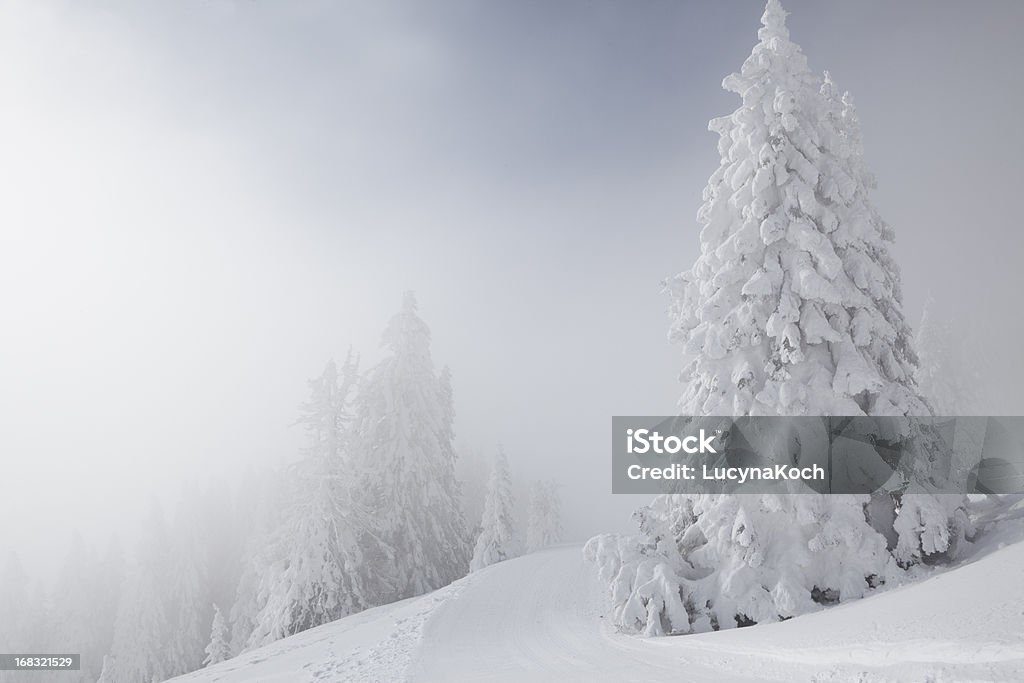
792,308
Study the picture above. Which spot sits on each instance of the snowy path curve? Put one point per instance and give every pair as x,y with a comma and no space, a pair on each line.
545,623
542,618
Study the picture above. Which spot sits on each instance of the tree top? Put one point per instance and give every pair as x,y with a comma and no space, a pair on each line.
774,21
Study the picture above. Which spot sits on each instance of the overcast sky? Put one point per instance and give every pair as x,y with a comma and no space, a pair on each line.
202,202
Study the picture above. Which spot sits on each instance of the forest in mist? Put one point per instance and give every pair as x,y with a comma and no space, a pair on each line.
377,507
212,208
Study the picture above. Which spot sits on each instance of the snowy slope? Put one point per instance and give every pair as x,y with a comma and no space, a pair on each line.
539,618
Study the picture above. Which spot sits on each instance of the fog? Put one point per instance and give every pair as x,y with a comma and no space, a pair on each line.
203,202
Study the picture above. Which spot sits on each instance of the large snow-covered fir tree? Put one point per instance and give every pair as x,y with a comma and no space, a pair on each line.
497,541
544,523
792,308
311,572
417,541
794,305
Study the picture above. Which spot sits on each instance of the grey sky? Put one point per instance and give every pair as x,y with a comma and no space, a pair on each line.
201,202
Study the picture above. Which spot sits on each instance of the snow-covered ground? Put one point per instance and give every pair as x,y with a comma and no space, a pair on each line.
540,618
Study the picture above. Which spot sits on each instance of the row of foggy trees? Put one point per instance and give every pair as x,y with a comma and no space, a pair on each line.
372,511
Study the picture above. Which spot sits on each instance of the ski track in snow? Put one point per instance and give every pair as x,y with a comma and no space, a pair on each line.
542,617
375,646
545,623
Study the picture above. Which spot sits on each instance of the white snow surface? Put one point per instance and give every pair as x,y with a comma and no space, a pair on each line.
543,617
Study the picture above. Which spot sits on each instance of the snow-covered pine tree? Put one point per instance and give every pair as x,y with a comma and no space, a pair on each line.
544,526
792,308
418,539
311,573
794,305
327,416
497,541
218,649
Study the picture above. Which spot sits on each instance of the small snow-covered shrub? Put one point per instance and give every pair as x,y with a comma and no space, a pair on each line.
646,593
739,560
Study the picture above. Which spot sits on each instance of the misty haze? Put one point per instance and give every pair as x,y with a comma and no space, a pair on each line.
315,317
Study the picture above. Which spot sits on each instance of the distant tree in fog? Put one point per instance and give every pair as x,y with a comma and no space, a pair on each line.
370,513
417,541
310,573
218,649
544,527
498,540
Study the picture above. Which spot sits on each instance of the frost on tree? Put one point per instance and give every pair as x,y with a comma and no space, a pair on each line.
497,541
311,572
792,308
544,524
218,649
417,540
794,305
